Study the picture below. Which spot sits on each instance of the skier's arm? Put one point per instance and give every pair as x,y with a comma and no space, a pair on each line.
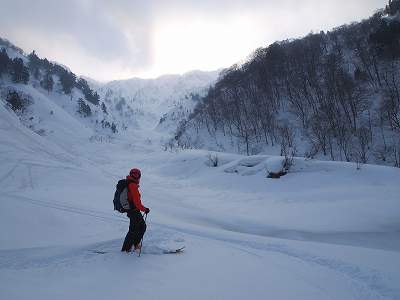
136,199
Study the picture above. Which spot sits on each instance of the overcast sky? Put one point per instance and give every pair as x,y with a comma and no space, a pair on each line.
115,39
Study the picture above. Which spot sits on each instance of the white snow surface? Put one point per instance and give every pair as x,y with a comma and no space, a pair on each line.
326,230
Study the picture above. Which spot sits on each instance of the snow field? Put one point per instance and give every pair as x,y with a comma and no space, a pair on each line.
324,231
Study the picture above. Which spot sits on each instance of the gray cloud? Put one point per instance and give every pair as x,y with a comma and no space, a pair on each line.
105,30
88,25
111,39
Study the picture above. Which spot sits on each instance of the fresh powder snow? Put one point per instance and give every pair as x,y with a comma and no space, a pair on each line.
326,230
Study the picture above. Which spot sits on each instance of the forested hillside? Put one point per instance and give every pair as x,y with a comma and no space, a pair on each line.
332,95
28,81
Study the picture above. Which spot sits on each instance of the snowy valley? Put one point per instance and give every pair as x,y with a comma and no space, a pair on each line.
323,230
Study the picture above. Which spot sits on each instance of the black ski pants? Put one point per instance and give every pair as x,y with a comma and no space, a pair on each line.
137,228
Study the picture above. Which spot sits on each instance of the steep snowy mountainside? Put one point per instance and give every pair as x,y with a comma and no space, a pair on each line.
43,94
179,112
12,50
153,99
49,115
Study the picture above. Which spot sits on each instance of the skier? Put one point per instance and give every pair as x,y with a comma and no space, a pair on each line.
137,226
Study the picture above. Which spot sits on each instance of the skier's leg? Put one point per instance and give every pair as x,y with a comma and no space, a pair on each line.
129,238
140,228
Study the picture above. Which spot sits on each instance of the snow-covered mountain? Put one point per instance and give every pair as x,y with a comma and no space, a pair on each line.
330,95
147,101
42,92
49,99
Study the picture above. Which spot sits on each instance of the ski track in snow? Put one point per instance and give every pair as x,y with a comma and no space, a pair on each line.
8,173
369,282
57,257
106,217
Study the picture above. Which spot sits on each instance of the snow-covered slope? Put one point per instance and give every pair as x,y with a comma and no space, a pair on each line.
121,105
51,115
326,230
146,101
52,112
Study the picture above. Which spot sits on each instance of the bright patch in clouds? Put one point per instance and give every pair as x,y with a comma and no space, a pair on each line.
183,44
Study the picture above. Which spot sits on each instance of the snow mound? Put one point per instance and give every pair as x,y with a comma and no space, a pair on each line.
255,164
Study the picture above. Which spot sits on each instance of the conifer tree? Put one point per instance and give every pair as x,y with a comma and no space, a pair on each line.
83,108
103,108
47,83
19,71
34,64
67,80
4,61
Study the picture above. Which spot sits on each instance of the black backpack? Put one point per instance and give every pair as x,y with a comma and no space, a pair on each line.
121,202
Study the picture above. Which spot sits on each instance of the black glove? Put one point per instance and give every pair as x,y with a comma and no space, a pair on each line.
146,210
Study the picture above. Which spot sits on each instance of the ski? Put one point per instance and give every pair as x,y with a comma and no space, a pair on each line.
164,251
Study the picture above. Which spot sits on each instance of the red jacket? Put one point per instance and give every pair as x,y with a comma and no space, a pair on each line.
134,194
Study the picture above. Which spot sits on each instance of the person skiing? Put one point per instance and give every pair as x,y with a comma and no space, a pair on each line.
137,225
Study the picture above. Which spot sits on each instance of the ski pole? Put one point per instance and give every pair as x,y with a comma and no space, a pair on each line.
141,242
